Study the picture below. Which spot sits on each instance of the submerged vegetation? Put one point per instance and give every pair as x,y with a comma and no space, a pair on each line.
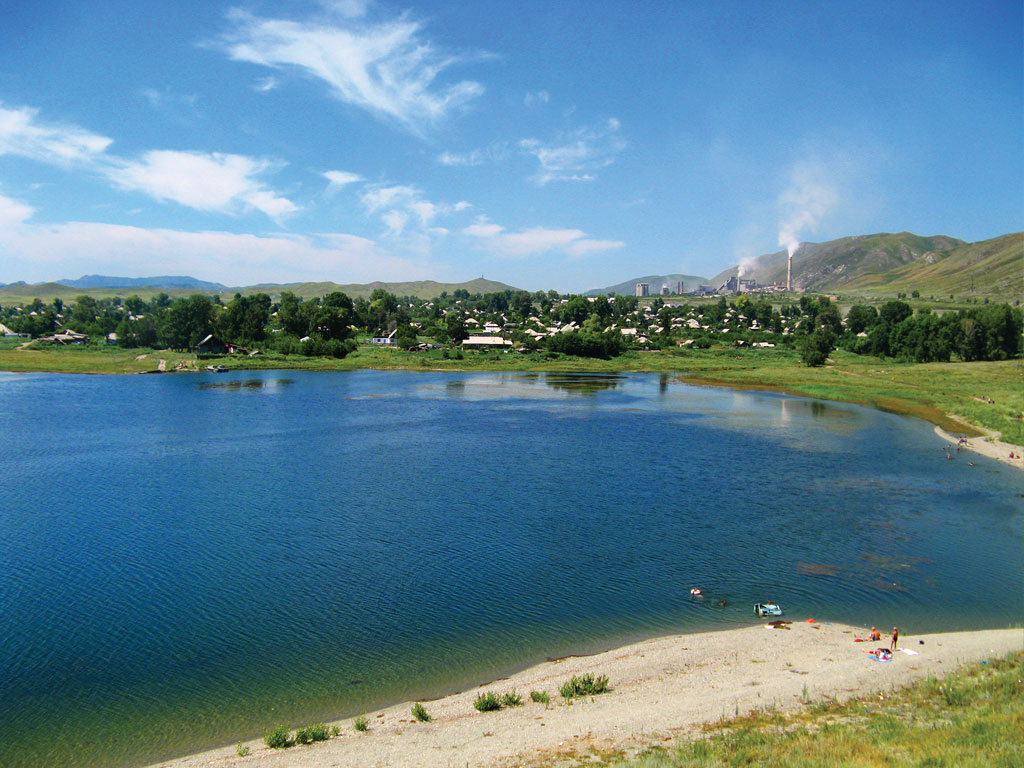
970,718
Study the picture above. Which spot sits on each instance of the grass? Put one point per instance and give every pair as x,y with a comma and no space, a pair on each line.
311,733
540,697
277,738
361,724
511,699
929,390
584,685
970,718
487,702
420,713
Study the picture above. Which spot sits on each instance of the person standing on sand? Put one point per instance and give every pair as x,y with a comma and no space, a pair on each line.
895,637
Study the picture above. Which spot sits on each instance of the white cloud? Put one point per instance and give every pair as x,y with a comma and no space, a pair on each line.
340,179
386,68
395,221
22,134
475,157
382,196
36,251
576,156
206,182
462,205
536,241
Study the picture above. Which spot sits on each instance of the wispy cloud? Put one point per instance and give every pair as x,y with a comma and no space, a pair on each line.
179,106
339,179
265,84
204,181
576,156
536,241
534,98
21,133
389,68
492,153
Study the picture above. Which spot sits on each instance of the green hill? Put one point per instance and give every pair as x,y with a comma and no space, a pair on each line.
18,294
886,263
992,268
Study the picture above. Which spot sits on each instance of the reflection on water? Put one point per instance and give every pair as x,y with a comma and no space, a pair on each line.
245,384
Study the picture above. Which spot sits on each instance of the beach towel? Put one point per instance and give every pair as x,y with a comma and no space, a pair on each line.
909,652
875,658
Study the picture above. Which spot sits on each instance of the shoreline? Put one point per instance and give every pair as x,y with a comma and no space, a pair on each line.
988,446
660,689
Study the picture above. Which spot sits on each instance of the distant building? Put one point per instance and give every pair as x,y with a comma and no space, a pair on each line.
643,289
665,290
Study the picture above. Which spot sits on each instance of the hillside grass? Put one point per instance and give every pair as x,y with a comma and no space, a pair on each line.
929,390
974,717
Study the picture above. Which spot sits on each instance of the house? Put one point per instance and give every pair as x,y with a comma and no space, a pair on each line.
211,345
388,340
486,342
112,339
65,337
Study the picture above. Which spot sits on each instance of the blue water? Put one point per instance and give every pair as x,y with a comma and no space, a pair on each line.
186,560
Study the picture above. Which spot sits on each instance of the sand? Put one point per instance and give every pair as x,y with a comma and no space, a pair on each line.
661,689
987,446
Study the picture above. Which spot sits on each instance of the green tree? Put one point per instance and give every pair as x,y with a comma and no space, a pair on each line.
815,347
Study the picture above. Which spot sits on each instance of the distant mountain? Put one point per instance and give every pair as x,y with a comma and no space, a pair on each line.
178,283
145,289
690,282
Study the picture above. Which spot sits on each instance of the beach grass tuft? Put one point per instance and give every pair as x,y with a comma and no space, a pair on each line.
511,699
584,685
361,724
540,697
241,750
311,733
487,702
277,738
420,713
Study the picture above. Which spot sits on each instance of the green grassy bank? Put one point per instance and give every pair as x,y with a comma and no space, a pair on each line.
931,391
974,717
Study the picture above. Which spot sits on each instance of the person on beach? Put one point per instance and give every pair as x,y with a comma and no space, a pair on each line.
875,635
895,637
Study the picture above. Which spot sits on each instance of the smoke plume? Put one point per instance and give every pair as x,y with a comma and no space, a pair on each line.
809,197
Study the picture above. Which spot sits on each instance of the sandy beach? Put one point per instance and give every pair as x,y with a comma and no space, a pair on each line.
988,446
661,689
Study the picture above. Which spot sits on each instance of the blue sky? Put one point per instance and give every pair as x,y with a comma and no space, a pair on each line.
565,145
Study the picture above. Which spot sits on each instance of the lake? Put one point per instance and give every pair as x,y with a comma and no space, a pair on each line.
186,560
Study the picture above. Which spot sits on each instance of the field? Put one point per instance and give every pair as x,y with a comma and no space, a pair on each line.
932,391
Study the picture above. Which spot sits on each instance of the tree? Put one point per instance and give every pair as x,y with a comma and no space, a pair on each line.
860,318
815,347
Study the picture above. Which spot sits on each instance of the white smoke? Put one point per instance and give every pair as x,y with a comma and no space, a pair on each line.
809,197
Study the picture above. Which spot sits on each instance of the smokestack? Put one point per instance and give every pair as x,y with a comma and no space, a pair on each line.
789,272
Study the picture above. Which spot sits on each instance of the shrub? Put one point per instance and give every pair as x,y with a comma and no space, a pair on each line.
361,723
487,702
242,750
277,738
511,699
420,713
585,685
541,697
335,730
311,733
